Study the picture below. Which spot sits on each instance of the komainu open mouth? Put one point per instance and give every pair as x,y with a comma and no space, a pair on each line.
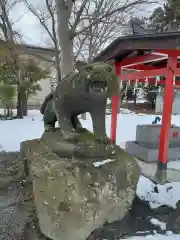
98,87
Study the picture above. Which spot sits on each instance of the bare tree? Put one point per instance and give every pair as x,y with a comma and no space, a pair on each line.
83,27
47,21
88,44
94,39
9,36
73,20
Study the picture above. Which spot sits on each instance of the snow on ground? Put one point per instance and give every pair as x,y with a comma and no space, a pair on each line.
158,195
15,131
157,237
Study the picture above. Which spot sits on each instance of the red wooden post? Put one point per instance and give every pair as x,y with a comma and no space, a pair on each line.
115,100
114,118
167,112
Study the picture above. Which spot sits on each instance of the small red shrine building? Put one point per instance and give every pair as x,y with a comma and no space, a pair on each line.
152,54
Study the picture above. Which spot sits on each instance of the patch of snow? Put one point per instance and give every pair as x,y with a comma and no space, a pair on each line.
156,222
126,111
100,163
157,237
158,195
122,111
13,132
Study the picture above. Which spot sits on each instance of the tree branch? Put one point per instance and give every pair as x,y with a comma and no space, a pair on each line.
53,23
55,39
78,16
41,20
109,14
79,49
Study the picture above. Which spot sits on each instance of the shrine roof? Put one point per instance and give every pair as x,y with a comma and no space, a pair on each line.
140,44
41,52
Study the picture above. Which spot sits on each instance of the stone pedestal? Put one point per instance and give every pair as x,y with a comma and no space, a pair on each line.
146,145
72,196
83,145
148,135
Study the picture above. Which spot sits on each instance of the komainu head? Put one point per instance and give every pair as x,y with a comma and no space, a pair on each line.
101,78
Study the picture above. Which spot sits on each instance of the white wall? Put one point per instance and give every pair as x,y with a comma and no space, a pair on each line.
40,95
176,104
159,104
36,100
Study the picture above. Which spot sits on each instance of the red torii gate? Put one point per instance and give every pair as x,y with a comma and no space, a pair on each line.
170,70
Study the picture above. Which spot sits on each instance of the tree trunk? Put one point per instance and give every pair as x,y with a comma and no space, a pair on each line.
19,102
8,111
58,70
66,61
25,104
25,108
65,38
135,97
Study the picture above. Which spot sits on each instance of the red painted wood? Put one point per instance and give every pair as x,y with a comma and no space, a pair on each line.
114,118
141,67
144,74
169,52
177,71
167,111
114,114
152,81
142,59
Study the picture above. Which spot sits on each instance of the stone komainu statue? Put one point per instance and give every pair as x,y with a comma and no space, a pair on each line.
85,91
48,111
81,92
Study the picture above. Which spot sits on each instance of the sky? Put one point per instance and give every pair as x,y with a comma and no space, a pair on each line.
28,26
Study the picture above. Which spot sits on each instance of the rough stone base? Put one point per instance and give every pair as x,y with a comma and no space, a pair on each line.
83,145
73,197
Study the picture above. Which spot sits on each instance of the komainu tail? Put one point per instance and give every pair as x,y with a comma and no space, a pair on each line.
44,104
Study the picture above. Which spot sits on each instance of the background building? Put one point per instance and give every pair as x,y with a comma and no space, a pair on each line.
44,57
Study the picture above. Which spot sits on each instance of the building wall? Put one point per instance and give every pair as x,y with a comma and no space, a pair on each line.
40,56
35,101
159,104
176,104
